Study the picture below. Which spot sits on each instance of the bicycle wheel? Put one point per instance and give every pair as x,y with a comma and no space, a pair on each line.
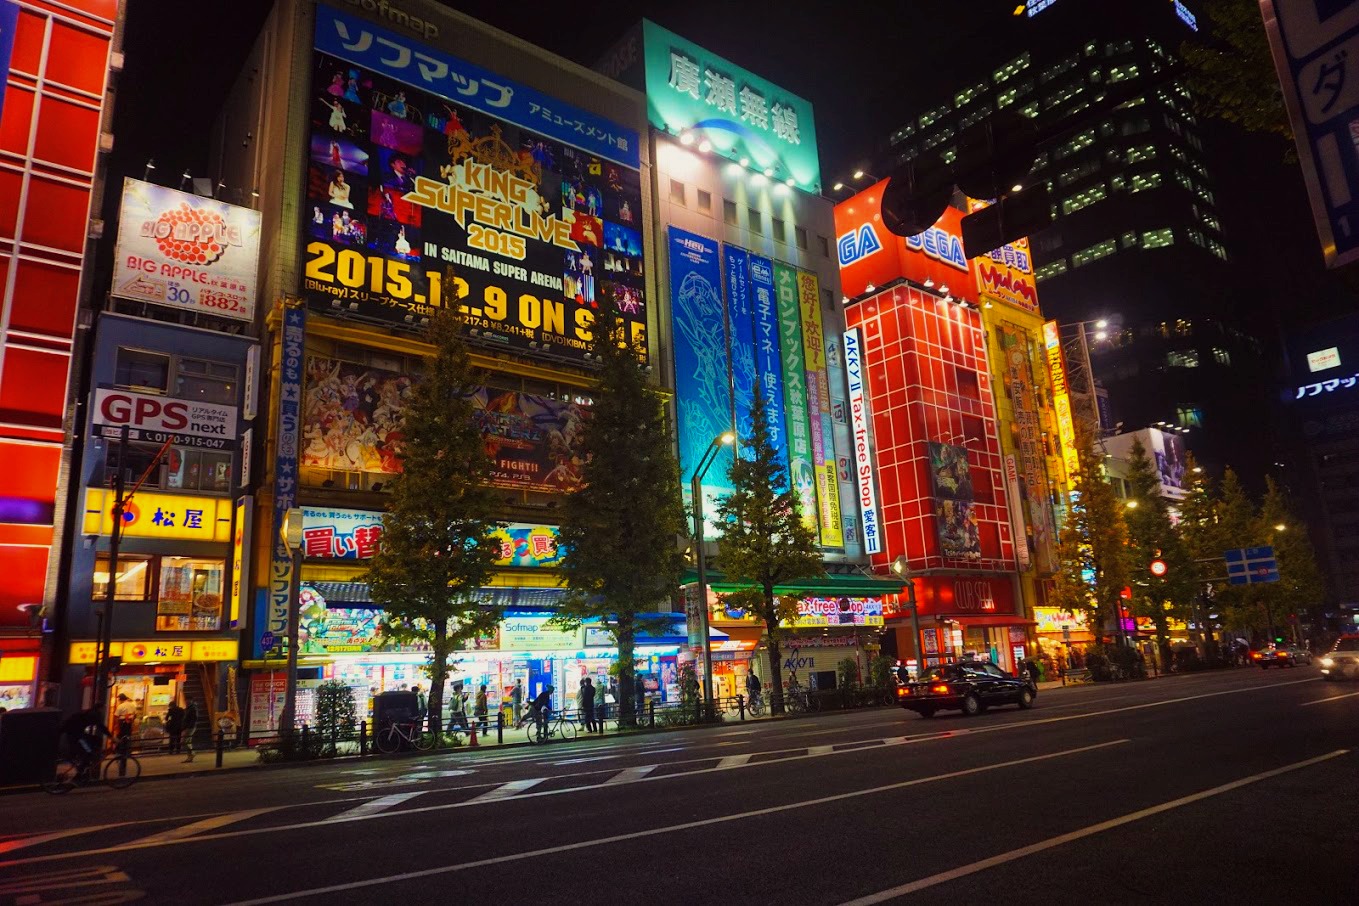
566,729
532,729
388,739
423,742
64,777
121,771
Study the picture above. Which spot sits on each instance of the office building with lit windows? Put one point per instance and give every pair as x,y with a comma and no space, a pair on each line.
1136,237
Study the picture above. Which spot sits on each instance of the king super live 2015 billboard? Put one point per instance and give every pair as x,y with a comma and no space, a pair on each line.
431,179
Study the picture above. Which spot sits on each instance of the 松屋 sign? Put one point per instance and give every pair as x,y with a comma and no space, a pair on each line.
863,443
160,418
164,516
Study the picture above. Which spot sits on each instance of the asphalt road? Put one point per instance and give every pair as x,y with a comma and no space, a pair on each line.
1238,786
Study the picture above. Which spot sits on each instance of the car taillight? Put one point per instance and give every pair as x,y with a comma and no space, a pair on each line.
1256,655
939,690
903,691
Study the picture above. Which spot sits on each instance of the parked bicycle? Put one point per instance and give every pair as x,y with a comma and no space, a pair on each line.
397,733
119,769
559,726
756,705
796,701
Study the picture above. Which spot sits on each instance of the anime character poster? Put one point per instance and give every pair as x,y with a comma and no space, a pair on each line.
533,441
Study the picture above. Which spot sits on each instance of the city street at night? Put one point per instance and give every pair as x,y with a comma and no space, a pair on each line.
1231,786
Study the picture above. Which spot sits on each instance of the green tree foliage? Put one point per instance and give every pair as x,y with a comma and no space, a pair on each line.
1152,536
1299,588
1231,73
764,540
437,549
1235,517
619,530
1091,547
336,713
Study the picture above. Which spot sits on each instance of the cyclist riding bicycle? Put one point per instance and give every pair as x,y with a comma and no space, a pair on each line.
753,687
84,744
540,709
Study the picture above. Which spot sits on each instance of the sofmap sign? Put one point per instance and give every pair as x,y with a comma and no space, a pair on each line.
431,180
745,118
863,444
158,418
186,251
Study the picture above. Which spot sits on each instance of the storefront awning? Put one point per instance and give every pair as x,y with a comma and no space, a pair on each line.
852,585
990,620
357,594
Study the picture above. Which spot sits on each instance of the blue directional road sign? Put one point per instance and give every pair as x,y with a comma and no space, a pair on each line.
1251,565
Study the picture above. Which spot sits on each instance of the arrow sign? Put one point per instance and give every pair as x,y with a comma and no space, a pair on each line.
1251,565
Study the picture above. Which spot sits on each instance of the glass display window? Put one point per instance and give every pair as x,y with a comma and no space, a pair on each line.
190,594
134,582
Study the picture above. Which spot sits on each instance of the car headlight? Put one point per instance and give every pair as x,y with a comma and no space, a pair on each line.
1327,662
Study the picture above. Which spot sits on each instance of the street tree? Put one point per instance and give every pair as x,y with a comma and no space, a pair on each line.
1231,70
764,541
1299,588
1152,536
1236,526
1204,541
619,530
437,548
1091,547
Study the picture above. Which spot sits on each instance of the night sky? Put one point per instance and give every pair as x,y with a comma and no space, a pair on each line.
864,65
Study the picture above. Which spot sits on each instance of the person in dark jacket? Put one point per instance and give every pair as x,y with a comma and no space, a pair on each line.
190,726
174,726
639,696
587,704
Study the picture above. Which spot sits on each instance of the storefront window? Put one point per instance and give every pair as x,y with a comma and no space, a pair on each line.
134,578
198,470
208,382
190,595
141,370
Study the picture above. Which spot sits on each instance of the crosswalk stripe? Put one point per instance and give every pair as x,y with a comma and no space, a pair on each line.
820,750
506,790
207,824
734,761
628,775
373,806
10,846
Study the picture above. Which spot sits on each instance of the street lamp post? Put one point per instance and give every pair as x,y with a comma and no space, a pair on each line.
899,566
725,439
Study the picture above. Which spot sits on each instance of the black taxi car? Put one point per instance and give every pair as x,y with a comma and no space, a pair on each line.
969,686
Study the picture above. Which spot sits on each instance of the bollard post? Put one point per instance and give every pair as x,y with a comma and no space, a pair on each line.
306,743
363,738
741,706
221,746
651,707
500,726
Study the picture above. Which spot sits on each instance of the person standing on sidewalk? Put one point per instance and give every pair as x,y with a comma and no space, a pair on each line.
587,704
517,701
174,726
481,711
190,726
639,696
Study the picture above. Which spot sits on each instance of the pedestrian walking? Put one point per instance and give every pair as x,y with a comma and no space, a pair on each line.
587,704
517,701
639,696
174,726
458,717
190,726
752,688
125,714
481,711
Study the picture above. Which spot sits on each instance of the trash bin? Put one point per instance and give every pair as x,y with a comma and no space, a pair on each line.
395,707
28,744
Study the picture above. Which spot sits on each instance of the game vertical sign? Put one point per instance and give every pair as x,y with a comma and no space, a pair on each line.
768,361
863,441
285,472
741,331
801,470
818,404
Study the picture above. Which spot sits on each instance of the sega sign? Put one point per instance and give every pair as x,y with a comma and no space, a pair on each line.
941,245
857,244
159,418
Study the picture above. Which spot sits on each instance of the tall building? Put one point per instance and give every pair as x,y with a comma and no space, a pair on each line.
1136,237
59,60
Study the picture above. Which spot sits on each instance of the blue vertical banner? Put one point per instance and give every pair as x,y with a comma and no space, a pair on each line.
741,327
9,23
768,361
285,476
702,374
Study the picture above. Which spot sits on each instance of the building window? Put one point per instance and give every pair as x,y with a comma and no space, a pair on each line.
134,578
1222,356
756,221
1128,240
181,468
827,300
1085,198
1155,239
1093,253
139,370
1140,153
1011,69
776,229
729,212
205,382
800,235
823,244
1136,126
1189,417
1216,248
1185,358
705,202
676,192
1143,181
190,594
1083,140
1051,269
1007,97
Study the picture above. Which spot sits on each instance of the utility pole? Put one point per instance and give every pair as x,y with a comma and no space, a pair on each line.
292,537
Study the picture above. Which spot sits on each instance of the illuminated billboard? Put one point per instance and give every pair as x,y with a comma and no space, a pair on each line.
185,251
1061,401
430,179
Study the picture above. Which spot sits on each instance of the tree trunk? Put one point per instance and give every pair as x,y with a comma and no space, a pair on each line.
775,677
628,707
438,674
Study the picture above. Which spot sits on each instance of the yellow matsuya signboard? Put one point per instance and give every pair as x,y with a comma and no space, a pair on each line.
168,516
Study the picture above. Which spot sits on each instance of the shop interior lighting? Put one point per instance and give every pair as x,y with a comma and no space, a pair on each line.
790,182
705,146
745,162
769,172
686,138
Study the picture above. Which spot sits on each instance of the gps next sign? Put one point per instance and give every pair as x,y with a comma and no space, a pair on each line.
156,419
431,180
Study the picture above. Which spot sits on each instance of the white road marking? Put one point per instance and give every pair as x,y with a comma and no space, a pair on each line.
373,806
631,775
733,761
207,824
10,846
820,750
944,877
504,791
585,760
671,828
61,880
1333,698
